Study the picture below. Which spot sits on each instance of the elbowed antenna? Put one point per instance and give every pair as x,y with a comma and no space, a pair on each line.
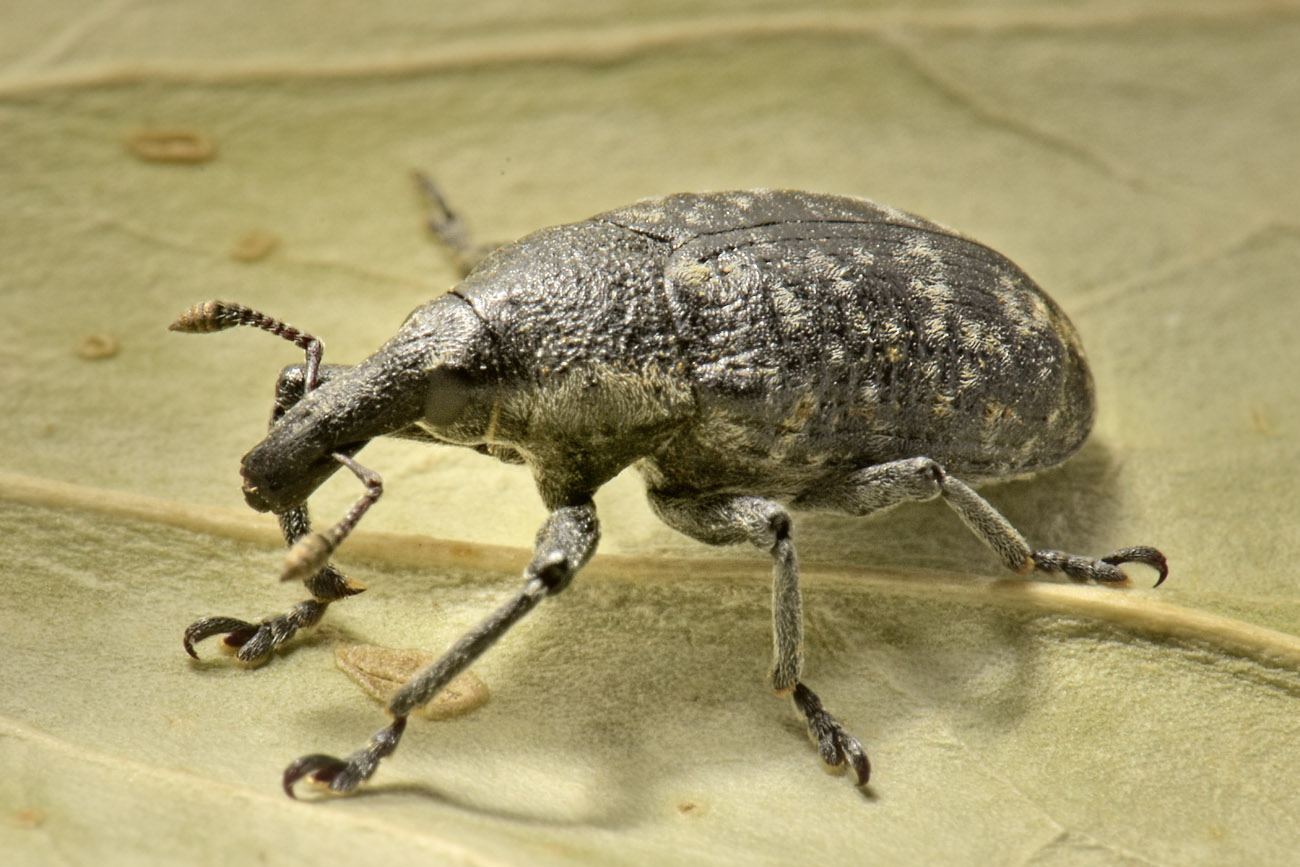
312,550
207,317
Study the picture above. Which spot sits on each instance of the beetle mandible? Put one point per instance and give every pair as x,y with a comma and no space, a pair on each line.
746,351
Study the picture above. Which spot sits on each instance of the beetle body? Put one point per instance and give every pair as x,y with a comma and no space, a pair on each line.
747,351
758,341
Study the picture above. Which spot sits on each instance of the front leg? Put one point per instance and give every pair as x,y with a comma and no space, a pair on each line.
254,642
565,543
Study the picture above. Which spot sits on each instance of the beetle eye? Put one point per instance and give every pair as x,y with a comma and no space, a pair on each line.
448,394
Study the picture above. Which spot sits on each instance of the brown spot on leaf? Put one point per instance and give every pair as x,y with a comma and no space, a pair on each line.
177,145
27,817
382,671
97,347
254,246
690,809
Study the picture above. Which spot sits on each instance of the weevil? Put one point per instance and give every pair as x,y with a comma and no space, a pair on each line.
748,352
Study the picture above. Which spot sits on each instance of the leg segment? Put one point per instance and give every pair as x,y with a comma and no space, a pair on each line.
919,479
564,544
448,226
209,316
255,641
726,519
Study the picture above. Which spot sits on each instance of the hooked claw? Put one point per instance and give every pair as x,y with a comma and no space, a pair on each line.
837,747
239,632
255,640
343,776
1141,554
320,767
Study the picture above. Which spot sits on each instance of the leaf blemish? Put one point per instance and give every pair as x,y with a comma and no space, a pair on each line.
382,671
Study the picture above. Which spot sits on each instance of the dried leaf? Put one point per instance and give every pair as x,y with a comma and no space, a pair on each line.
1135,158
382,671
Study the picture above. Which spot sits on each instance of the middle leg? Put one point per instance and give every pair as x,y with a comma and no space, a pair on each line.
724,519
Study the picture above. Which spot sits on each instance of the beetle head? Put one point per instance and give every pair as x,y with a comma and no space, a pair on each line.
425,373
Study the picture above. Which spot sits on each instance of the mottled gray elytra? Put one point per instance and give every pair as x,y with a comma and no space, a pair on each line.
746,351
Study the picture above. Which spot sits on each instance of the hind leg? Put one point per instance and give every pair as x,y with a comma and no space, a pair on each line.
918,479
722,519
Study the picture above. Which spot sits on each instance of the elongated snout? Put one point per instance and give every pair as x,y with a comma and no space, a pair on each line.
357,404
277,482
415,376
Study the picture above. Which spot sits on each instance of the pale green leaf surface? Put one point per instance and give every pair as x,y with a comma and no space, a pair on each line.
1136,158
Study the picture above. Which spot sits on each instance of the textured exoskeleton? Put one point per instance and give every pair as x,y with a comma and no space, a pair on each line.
745,351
